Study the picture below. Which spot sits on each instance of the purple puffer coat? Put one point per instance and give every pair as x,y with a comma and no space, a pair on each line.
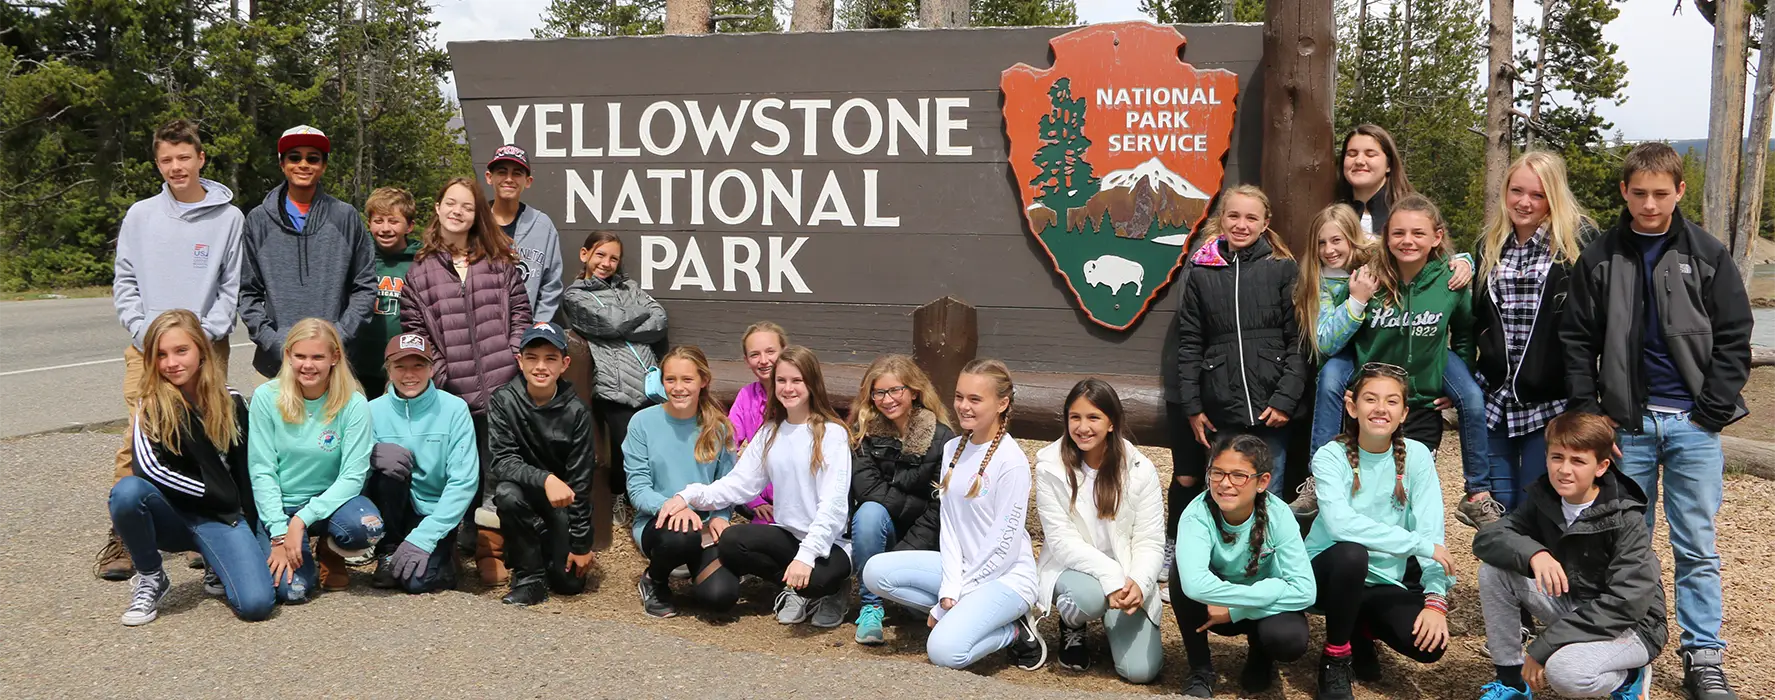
473,325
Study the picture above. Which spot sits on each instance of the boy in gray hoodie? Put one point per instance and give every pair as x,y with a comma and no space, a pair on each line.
179,249
305,254
533,233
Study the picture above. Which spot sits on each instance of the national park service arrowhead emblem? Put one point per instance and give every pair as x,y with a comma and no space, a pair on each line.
1117,151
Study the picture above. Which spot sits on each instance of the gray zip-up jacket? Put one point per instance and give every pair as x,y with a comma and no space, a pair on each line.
1702,307
170,257
538,246
619,322
327,270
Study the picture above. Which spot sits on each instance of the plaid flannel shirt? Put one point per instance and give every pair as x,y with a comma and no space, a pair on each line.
1516,285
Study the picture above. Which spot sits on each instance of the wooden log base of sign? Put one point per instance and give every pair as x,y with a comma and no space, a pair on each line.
1753,457
945,338
1762,357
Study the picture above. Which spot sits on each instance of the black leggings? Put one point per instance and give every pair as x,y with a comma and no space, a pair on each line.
1280,637
714,587
536,540
1386,611
614,418
1424,425
1186,460
766,551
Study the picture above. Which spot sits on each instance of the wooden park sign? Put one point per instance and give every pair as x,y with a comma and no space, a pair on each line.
833,182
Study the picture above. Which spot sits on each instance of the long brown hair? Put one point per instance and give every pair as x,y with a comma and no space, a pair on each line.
715,431
924,394
1213,228
1003,389
1254,450
163,410
485,240
819,405
1108,495
1397,185
1385,266
1353,434
1306,287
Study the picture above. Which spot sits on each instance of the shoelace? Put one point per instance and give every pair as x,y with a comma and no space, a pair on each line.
784,599
1072,637
1307,488
146,592
1339,676
1710,678
871,613
1492,507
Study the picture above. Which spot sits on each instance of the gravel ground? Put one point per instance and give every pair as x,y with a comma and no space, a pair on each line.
64,640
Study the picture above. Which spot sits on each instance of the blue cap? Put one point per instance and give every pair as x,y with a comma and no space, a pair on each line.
544,331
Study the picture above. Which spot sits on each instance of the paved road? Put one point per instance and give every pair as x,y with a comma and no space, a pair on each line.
61,364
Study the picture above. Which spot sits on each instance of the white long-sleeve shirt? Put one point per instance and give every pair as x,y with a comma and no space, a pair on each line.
985,538
811,505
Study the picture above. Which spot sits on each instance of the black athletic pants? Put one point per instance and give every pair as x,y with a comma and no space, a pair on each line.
536,542
766,551
1279,638
614,418
1185,461
1387,612
715,588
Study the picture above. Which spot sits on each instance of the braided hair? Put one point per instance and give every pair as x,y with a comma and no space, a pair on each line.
1001,378
1254,450
1354,433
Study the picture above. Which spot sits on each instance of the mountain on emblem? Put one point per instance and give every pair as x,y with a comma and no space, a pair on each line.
1117,101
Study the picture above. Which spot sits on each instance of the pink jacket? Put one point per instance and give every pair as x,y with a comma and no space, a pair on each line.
747,415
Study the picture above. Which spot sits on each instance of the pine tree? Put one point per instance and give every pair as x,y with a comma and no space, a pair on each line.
1201,11
571,18
877,14
1571,59
1065,180
1024,13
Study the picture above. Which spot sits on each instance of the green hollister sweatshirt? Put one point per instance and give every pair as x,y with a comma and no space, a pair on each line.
1417,330
315,465
385,317
1213,569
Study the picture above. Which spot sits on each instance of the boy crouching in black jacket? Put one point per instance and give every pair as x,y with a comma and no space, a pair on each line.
1577,556
541,438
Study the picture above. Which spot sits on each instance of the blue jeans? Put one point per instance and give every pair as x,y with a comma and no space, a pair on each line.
1694,487
872,531
1328,400
1516,462
147,524
979,624
1469,400
356,525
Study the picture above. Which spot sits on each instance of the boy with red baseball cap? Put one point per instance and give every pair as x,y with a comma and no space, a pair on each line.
533,233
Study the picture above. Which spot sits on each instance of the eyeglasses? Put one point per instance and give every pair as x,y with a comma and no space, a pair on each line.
1234,478
894,391
312,158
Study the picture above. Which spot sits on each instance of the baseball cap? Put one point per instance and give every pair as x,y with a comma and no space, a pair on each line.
544,331
303,135
510,153
406,344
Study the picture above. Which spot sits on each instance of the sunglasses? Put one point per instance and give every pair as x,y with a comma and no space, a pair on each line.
1384,368
297,158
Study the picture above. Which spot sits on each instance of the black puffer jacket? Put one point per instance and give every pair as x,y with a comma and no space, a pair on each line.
898,474
1607,557
529,443
1238,349
1541,376
200,479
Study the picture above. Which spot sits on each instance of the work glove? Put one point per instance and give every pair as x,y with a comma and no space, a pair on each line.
409,561
392,460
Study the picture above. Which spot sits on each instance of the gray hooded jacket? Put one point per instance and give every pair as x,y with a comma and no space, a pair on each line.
618,322
172,257
327,270
538,246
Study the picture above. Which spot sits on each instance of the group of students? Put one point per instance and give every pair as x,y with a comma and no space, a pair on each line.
458,426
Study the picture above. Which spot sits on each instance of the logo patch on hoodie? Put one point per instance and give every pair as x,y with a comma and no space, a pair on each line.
200,256
328,440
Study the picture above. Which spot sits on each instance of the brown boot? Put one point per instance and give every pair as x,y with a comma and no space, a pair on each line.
113,562
490,557
334,575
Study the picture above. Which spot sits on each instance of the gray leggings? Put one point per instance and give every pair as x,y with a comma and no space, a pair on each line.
1582,670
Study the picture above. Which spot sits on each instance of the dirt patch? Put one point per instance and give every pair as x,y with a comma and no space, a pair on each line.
1759,396
1743,526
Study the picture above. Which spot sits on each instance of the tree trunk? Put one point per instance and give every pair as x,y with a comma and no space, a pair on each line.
1497,101
1750,189
1725,122
1228,10
1540,91
689,16
935,14
1403,90
811,16
1361,45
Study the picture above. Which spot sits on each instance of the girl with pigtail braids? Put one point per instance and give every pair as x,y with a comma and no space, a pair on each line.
1242,569
979,586
1377,545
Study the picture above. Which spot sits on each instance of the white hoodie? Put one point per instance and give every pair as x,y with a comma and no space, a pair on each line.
812,505
985,538
173,257
1137,535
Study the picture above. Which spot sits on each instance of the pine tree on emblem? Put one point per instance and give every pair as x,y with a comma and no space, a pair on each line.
1065,179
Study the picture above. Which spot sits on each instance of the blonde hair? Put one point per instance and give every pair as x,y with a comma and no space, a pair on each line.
924,393
715,430
764,327
340,382
1003,388
1565,217
1278,248
1306,287
1385,267
162,408
819,405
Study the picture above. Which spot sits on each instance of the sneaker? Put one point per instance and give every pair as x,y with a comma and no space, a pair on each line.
1259,673
144,603
1479,513
828,612
361,559
1074,654
113,562
1165,594
1170,559
1365,665
1704,675
1496,690
869,625
1028,651
384,576
1634,688
212,584
1199,683
526,594
1306,499
682,573
792,609
1334,678
656,598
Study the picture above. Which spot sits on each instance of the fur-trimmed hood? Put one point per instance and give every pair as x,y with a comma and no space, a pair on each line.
919,433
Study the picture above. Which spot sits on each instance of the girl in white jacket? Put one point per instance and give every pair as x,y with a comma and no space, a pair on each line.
1103,529
803,450
979,586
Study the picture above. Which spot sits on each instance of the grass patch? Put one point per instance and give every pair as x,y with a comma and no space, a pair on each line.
58,293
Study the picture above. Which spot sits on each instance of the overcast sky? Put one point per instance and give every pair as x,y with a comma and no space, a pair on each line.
1668,57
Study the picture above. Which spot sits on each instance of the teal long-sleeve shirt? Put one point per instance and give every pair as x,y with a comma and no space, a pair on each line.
659,456
1213,569
1372,518
315,465
435,426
